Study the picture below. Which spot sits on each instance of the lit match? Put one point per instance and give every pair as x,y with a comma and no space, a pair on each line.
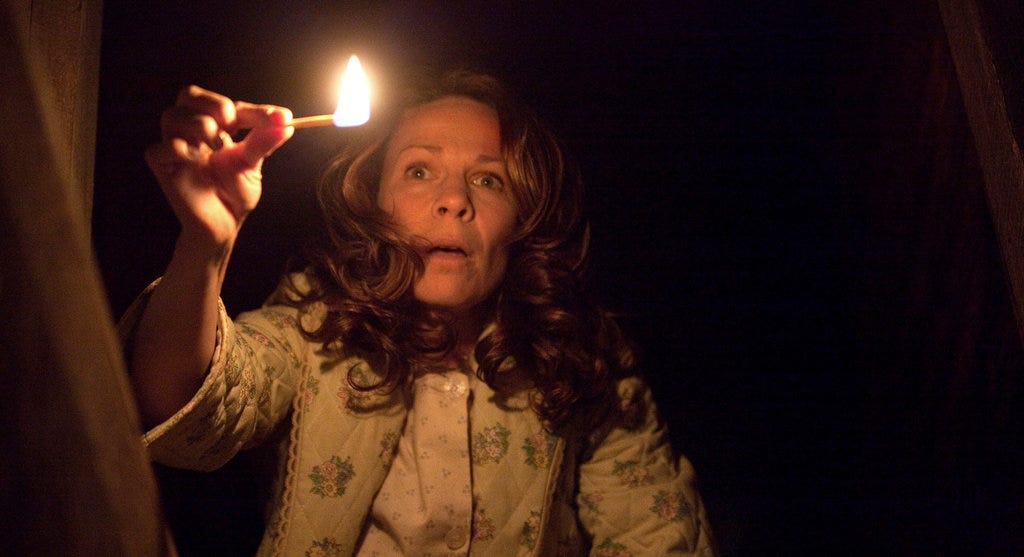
313,121
353,101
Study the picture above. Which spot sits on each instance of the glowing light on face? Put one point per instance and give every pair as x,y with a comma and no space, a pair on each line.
445,183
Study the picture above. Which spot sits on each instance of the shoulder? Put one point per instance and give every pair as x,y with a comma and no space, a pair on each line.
630,408
635,402
297,294
294,288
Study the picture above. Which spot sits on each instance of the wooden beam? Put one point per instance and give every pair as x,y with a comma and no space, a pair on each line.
999,154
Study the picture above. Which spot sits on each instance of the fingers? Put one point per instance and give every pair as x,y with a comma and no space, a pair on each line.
161,159
202,119
199,116
180,122
168,160
202,101
269,129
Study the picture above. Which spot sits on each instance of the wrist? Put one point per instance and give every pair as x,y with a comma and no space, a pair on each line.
201,252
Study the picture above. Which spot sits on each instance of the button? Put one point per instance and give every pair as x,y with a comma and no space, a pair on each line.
456,385
457,537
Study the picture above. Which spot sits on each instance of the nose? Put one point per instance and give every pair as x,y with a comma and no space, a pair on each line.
453,200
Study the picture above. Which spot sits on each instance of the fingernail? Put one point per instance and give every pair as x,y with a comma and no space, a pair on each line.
281,117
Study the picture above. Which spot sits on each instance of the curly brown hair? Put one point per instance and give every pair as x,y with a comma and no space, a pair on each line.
547,333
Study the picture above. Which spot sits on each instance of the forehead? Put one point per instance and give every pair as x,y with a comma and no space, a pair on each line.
449,120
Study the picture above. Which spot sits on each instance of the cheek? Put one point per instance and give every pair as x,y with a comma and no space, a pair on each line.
500,265
500,240
490,279
385,199
507,229
400,208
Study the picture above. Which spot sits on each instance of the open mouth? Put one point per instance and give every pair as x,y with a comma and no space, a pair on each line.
448,250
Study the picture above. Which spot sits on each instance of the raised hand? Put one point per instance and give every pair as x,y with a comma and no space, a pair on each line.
211,181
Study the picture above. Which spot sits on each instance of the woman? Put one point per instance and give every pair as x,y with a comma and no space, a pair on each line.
433,374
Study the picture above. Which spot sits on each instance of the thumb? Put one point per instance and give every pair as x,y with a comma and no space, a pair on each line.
269,133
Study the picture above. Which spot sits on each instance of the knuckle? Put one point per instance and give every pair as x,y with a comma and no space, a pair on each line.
188,93
208,125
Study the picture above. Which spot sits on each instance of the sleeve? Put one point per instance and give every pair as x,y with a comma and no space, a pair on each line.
636,497
257,365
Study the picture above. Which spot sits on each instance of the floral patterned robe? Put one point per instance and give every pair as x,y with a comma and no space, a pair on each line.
618,492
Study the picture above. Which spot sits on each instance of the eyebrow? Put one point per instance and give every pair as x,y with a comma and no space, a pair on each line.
432,148
435,149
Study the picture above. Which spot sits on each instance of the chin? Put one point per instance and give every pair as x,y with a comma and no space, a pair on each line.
446,300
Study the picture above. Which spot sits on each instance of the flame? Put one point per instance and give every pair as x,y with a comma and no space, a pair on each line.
353,96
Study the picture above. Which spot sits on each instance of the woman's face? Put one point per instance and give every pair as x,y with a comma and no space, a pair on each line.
445,183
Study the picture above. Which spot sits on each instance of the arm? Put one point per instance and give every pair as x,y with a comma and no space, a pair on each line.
211,183
636,496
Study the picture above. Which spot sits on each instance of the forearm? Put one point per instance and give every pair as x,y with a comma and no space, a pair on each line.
176,337
635,493
211,182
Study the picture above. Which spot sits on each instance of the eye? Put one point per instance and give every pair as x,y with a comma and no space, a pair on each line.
489,181
417,172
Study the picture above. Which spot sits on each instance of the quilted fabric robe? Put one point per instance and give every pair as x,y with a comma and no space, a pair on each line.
621,491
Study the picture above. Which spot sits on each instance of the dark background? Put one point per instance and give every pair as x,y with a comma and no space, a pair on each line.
787,209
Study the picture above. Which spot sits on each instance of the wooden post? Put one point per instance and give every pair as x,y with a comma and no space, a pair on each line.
74,477
998,151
